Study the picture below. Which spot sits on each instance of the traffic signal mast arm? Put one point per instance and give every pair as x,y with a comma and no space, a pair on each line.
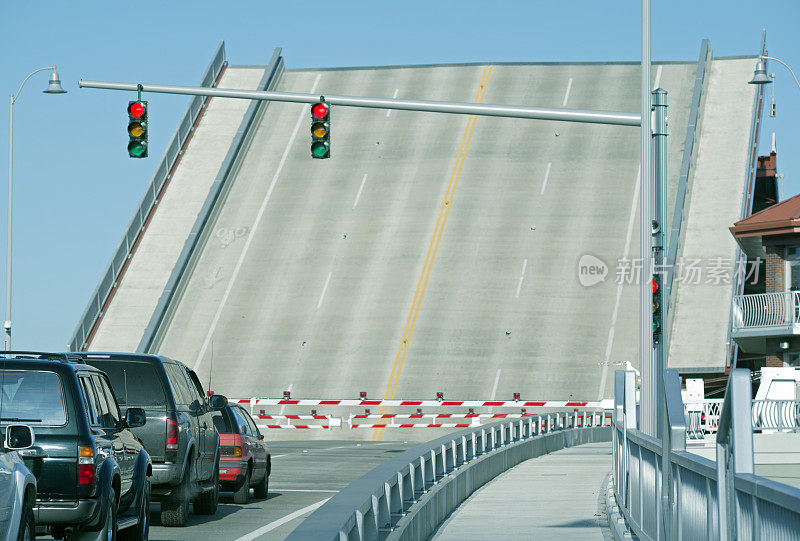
483,109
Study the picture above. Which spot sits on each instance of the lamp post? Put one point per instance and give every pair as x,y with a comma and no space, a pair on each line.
760,75
54,87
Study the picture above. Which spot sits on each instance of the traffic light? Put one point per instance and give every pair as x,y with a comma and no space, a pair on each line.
137,129
656,287
320,130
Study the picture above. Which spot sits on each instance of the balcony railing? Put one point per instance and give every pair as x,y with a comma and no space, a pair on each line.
766,313
702,418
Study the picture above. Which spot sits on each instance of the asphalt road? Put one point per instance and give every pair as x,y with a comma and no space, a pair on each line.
303,475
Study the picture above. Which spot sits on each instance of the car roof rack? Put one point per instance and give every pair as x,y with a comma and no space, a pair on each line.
42,355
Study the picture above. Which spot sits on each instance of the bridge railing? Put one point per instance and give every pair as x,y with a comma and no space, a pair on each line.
409,496
665,492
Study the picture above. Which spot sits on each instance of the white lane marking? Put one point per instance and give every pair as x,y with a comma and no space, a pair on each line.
546,176
389,111
284,406
604,375
305,489
658,77
494,387
566,95
521,278
281,521
358,195
249,240
332,448
324,289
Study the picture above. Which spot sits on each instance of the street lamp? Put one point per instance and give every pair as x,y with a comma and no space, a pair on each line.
54,87
760,75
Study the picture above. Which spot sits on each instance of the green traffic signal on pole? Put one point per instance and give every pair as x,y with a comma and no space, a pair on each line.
137,129
320,130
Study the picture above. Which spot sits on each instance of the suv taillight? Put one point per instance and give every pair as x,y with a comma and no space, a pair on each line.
172,434
232,450
85,465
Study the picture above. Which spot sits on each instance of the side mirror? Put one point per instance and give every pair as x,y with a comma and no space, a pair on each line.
18,437
217,402
135,417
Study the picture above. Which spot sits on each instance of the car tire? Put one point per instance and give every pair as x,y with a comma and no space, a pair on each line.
27,525
261,490
109,529
175,507
242,492
207,502
140,532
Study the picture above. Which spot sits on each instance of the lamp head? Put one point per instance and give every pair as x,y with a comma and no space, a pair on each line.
55,84
760,76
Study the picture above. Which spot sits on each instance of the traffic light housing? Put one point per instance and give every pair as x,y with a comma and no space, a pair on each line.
137,129
657,323
320,130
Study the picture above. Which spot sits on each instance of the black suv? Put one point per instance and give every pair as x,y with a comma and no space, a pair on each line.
92,472
179,434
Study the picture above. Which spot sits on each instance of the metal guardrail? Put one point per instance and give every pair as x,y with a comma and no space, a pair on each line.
400,499
690,144
99,299
270,79
766,310
738,282
665,492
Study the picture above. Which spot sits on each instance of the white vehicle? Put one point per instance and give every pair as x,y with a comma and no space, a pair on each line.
17,486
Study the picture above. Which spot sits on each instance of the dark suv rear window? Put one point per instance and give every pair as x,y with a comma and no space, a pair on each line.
32,397
223,421
135,383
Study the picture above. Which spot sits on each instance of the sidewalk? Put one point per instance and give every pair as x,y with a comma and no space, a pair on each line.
556,496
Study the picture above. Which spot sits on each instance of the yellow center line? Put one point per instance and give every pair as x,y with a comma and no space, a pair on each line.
433,247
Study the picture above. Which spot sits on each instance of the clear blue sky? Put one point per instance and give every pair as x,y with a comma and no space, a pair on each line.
75,187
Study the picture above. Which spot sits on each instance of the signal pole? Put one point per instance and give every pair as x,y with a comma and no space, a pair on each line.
649,412
660,300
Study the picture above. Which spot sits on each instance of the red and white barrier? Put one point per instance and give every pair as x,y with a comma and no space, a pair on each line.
388,420
417,425
296,427
255,402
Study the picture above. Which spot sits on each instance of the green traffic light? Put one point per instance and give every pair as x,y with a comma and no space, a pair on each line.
319,149
135,149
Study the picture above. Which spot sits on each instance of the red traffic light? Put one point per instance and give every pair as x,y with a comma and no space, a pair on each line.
654,286
320,111
136,109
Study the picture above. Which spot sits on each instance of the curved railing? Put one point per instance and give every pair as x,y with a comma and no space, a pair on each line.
410,495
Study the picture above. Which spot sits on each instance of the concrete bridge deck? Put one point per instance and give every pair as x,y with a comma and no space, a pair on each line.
555,496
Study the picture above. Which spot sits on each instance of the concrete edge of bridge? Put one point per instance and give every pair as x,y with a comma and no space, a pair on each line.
616,522
433,508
